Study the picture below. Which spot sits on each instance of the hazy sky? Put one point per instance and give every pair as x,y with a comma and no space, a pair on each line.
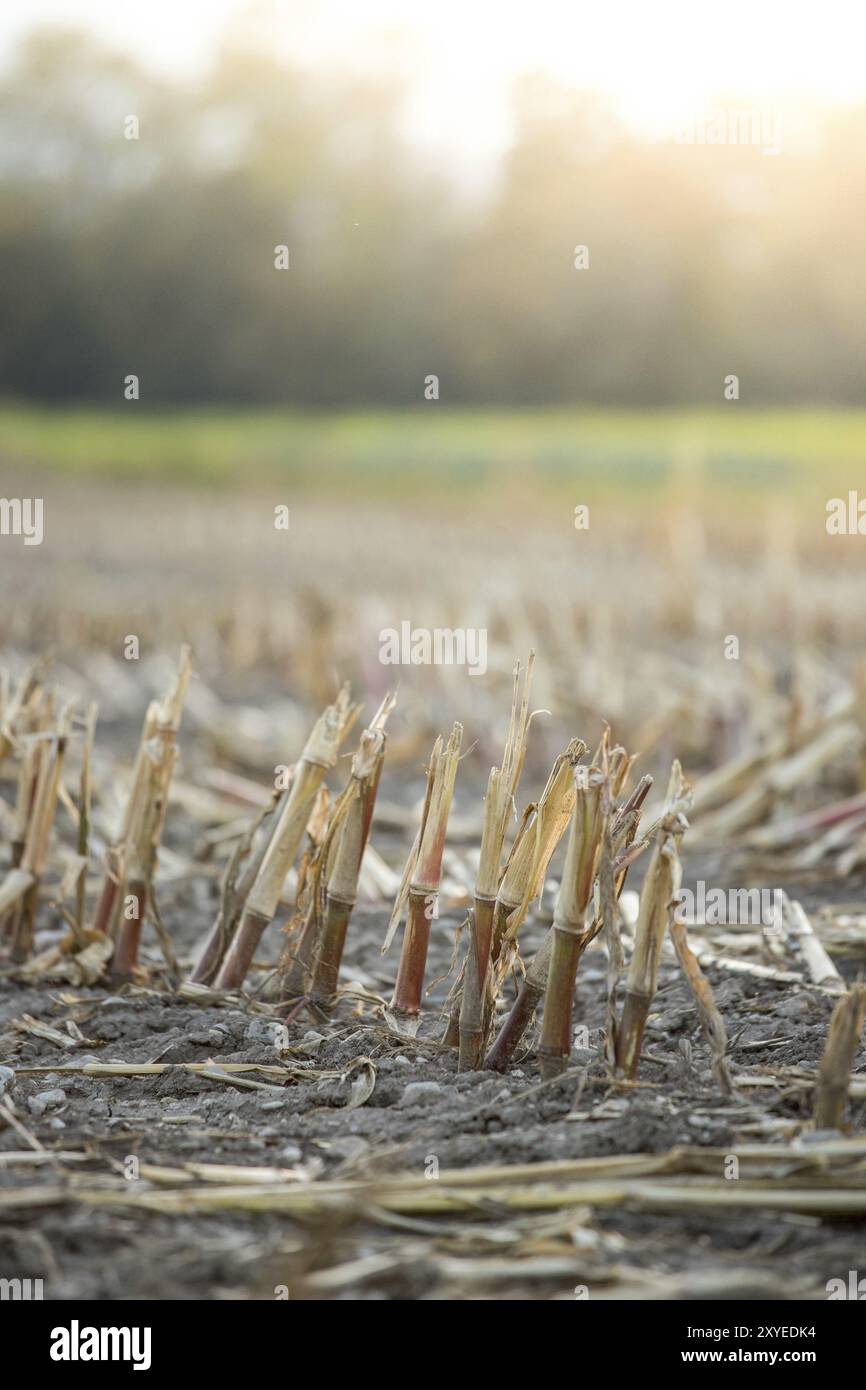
658,62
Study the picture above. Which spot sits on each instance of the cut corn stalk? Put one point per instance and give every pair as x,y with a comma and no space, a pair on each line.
39,829
800,934
523,881
145,819
711,1020
342,888
424,872
542,829
572,919
498,808
107,909
237,882
834,1074
619,837
84,799
305,924
319,756
660,889
31,729
614,863
18,708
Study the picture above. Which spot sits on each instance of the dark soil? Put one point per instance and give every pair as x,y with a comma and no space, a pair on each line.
455,1121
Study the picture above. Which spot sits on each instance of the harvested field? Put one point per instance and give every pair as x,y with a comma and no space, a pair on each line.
432,675
698,1133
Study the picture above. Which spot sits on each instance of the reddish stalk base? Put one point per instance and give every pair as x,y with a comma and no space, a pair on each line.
513,1029
413,958
208,962
239,956
126,951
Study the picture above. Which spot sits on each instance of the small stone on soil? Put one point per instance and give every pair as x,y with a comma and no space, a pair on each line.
45,1100
421,1093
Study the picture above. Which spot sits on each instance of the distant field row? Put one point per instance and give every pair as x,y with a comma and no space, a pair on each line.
436,450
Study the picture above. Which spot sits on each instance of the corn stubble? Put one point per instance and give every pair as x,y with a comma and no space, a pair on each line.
133,862
573,919
310,965
31,730
498,809
591,802
353,831
40,819
834,1074
262,900
657,902
419,888
592,878
240,875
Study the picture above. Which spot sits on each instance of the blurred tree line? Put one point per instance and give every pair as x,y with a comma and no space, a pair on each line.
156,256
